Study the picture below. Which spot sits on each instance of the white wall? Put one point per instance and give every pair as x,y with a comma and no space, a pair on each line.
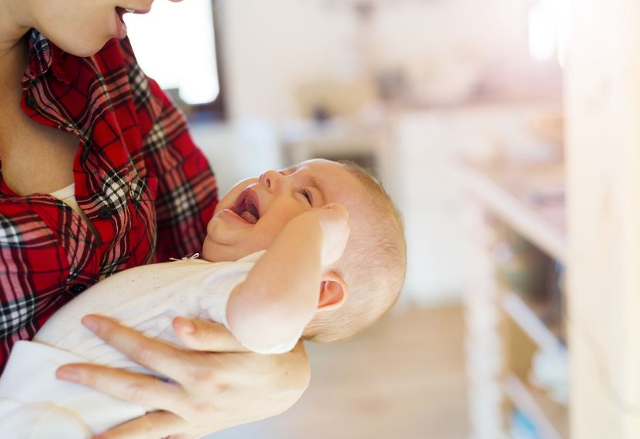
445,45
273,46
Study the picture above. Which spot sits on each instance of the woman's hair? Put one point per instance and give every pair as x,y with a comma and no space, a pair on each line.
373,264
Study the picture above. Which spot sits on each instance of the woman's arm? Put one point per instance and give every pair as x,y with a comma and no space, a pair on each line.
214,386
281,293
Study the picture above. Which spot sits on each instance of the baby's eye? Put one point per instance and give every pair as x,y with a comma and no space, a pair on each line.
307,195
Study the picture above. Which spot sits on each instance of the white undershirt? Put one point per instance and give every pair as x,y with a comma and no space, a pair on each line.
68,196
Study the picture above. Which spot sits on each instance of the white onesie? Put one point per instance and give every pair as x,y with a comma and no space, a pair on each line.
36,405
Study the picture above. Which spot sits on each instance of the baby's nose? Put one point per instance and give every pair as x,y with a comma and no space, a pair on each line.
270,179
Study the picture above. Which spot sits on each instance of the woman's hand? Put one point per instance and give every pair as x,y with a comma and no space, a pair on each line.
216,385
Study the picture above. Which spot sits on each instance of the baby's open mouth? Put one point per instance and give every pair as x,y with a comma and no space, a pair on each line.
247,207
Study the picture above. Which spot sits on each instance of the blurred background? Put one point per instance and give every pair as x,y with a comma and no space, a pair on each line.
456,106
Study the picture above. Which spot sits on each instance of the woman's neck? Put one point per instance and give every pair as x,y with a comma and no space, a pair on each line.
14,50
14,24
13,63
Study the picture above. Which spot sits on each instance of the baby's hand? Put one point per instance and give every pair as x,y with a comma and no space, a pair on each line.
334,221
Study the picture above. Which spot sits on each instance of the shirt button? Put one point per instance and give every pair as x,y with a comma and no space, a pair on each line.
31,102
105,212
78,288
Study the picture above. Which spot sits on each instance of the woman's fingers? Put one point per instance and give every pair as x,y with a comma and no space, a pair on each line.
224,389
202,335
153,425
151,353
213,391
128,386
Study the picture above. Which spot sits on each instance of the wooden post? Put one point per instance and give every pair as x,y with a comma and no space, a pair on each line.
602,97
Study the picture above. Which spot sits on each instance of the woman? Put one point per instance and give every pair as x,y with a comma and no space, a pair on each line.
94,156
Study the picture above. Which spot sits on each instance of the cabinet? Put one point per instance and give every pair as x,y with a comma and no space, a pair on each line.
516,343
602,244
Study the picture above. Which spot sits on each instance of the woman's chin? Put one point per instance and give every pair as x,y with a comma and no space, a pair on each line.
81,47
86,50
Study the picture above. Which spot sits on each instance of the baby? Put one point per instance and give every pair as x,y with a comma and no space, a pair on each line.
316,252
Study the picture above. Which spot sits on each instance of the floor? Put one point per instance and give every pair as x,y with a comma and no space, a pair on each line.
402,379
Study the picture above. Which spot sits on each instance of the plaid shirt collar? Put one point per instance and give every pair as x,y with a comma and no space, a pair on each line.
43,55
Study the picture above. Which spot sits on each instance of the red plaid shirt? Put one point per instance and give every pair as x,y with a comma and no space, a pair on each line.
139,178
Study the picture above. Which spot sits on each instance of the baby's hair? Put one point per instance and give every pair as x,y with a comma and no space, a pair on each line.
373,265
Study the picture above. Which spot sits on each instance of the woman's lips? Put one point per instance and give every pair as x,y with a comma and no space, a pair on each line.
121,27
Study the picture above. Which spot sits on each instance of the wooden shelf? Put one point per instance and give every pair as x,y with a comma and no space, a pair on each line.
529,197
531,324
550,418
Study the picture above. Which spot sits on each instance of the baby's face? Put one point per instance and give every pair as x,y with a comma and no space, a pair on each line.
252,214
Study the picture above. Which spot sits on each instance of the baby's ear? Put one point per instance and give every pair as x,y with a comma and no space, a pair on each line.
333,291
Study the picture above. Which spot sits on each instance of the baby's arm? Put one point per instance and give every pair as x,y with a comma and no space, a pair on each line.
280,295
